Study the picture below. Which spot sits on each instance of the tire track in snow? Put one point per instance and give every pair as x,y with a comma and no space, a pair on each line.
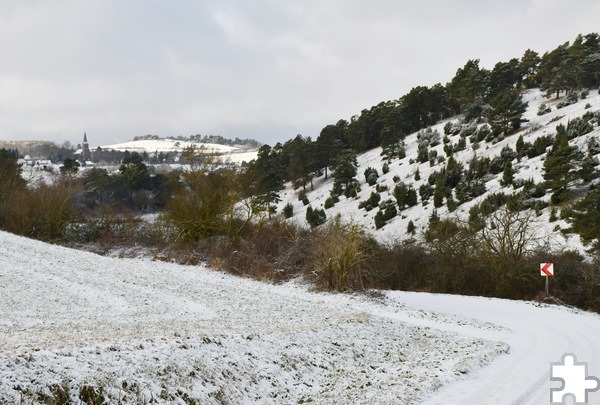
537,336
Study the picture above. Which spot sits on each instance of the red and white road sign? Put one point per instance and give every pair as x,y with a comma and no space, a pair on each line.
547,269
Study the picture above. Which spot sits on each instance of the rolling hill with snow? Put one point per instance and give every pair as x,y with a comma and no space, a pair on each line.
404,170
228,153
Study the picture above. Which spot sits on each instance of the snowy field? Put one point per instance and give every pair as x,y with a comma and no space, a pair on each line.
145,330
232,154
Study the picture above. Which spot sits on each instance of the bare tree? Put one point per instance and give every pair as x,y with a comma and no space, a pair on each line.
511,236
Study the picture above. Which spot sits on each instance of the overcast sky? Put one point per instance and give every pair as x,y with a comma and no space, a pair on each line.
262,69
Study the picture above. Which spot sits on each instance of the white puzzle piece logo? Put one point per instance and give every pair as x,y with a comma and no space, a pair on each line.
575,381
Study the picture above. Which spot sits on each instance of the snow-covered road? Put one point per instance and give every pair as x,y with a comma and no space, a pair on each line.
537,336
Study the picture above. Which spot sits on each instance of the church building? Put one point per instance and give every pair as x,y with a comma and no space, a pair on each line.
84,154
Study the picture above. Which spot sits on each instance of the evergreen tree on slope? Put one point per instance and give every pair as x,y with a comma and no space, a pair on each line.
506,111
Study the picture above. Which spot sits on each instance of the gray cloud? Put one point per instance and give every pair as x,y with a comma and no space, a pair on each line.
267,69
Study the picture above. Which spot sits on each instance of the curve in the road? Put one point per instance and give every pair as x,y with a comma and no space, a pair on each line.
538,335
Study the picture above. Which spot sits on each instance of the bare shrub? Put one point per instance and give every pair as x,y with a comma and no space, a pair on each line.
340,257
454,247
44,212
590,286
575,281
209,204
404,266
273,251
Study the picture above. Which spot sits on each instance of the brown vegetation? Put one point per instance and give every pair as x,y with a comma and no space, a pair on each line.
211,219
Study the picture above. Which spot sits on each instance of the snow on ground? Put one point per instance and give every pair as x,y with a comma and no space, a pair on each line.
145,330
151,330
229,153
537,335
36,175
167,145
396,229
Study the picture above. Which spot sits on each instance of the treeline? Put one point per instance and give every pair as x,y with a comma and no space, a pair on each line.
39,150
218,139
477,93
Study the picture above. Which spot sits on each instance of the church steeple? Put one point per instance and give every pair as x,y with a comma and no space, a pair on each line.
86,153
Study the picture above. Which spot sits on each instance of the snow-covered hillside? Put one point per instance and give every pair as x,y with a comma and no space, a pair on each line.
228,153
396,229
134,331
143,329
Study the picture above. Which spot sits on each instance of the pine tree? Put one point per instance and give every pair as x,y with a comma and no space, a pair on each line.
520,146
505,76
371,175
553,216
468,87
301,164
529,68
411,197
264,177
401,193
288,210
69,167
506,111
392,145
584,217
329,145
422,152
426,192
588,171
539,146
134,173
550,69
438,194
315,217
345,171
411,228
589,64
379,220
563,79
434,218
507,175
561,167
451,204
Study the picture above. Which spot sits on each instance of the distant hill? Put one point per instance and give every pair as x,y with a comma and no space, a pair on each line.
39,149
234,154
25,147
213,139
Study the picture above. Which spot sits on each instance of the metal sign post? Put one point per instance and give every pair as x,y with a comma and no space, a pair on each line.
547,270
